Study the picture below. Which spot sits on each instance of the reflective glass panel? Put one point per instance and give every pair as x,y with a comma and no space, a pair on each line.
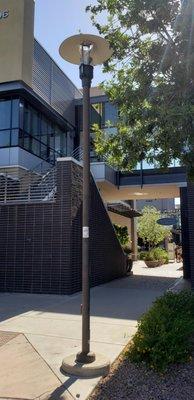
110,113
14,137
27,119
35,147
44,130
27,142
35,123
5,114
44,152
15,113
5,138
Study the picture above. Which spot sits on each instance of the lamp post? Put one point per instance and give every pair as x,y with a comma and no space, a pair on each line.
86,51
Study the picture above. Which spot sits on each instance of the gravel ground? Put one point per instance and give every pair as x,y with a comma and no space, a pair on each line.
128,381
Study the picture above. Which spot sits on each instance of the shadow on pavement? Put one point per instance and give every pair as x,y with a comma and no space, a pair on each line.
125,298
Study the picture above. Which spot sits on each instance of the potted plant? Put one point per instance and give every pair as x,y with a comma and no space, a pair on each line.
155,257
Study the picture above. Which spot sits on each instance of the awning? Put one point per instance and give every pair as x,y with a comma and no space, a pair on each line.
124,209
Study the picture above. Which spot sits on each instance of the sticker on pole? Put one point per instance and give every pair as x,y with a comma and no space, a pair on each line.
85,232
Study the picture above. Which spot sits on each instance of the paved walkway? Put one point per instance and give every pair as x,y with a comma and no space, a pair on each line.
37,331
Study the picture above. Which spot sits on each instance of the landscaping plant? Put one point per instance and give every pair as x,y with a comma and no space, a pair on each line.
165,332
122,234
149,230
156,254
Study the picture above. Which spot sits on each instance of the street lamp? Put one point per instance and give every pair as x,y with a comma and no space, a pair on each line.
86,51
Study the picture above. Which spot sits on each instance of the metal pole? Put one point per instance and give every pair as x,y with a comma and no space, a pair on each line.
85,356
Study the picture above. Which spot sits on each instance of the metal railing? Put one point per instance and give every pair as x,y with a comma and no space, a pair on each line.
77,154
32,187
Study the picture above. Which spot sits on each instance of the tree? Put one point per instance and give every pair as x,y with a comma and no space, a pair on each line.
149,230
152,82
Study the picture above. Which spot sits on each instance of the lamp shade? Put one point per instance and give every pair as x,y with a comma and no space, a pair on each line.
70,48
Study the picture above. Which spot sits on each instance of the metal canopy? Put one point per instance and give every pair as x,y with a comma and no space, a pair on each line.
123,209
70,48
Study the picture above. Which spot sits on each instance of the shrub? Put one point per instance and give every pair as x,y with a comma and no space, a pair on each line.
126,249
122,234
160,255
142,255
165,331
156,254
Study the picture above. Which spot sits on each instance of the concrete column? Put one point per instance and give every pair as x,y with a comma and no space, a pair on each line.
134,233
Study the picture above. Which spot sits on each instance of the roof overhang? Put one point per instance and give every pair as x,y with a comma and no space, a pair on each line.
124,209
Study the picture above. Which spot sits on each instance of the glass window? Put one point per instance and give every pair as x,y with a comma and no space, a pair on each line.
70,142
110,113
35,147
60,141
14,137
5,138
21,138
52,156
15,113
35,123
98,107
27,119
95,116
5,114
27,142
44,152
44,130
63,148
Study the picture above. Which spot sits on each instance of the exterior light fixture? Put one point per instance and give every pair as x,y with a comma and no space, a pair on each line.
140,194
86,51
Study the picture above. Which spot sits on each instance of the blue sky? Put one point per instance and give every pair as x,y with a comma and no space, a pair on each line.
57,19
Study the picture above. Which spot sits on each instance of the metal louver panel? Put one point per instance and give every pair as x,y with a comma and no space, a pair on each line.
42,73
52,85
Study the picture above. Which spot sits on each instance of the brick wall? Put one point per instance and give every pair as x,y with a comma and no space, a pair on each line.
190,195
40,244
187,217
185,233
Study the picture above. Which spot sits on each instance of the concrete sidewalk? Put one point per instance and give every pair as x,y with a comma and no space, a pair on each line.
46,328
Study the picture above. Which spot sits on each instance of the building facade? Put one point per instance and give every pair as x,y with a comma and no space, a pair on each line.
40,187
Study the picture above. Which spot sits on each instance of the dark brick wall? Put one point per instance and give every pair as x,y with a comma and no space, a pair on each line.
107,260
190,202
187,216
40,244
185,233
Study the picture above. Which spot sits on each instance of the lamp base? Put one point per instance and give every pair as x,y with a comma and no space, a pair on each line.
85,358
99,367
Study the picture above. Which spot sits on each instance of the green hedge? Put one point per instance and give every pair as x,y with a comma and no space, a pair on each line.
165,332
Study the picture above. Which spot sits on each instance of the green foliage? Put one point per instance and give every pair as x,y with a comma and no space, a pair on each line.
122,234
152,69
142,255
156,254
165,332
126,249
148,228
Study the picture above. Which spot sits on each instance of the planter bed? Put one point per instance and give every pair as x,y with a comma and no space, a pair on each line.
128,381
